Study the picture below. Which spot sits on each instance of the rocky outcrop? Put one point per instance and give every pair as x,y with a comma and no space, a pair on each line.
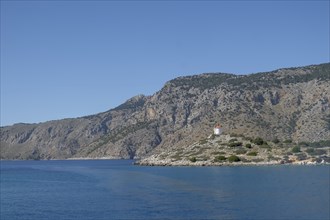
286,104
226,150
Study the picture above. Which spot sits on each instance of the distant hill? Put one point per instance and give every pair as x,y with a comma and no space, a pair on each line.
291,103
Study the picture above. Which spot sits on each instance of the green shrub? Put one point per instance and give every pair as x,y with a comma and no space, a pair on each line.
193,159
288,141
258,141
249,139
219,158
248,146
276,141
295,149
234,158
252,153
235,144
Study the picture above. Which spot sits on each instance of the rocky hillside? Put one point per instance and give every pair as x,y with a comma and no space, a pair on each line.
290,103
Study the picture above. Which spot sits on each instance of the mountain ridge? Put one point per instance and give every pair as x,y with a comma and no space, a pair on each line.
288,103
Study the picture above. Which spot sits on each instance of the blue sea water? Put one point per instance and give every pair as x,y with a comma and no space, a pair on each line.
116,189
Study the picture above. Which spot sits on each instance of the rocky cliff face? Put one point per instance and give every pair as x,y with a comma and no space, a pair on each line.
285,104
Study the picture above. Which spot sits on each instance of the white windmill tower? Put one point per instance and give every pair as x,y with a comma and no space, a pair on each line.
217,130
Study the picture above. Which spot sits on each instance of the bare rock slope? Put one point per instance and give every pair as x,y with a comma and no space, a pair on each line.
290,103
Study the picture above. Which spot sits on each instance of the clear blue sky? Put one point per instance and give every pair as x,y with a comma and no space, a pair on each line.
64,59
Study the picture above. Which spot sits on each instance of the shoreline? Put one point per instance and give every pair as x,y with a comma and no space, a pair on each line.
227,164
148,162
71,158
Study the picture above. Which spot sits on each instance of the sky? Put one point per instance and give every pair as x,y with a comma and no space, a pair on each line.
64,59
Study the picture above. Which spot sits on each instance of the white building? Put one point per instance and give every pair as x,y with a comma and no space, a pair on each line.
217,130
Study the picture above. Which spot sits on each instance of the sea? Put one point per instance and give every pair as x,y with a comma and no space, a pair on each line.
117,189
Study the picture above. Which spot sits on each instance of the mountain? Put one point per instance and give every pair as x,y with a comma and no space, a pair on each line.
287,104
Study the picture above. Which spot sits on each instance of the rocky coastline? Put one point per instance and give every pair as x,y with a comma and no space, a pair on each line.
150,162
227,150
